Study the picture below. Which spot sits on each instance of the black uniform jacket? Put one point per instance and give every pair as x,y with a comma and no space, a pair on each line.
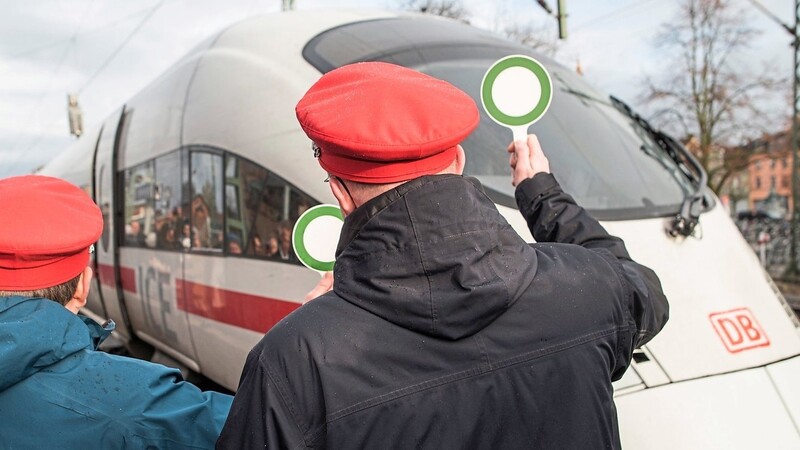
446,330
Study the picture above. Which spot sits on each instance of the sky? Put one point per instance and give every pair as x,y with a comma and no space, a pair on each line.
108,50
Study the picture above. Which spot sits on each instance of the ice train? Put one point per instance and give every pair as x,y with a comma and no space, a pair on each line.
200,175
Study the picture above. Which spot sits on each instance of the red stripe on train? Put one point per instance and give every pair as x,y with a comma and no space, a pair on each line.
105,273
128,279
234,308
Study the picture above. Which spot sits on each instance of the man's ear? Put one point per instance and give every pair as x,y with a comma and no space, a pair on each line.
78,299
346,202
461,160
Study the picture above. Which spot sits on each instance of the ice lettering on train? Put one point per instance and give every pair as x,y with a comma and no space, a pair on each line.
152,286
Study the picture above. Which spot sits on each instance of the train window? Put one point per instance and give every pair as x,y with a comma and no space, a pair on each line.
379,39
169,216
139,206
609,163
260,211
605,160
206,201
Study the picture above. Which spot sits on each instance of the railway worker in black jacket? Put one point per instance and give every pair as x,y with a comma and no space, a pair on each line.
444,329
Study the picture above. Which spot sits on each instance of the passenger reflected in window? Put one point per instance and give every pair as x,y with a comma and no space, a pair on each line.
133,234
285,250
256,247
165,236
271,247
186,235
201,222
302,206
234,244
176,219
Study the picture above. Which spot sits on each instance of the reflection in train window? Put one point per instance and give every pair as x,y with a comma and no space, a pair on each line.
206,201
139,216
261,209
169,216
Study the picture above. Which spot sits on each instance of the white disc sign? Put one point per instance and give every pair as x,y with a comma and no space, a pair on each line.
516,92
316,235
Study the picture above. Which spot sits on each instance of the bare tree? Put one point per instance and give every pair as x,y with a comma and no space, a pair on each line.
700,94
538,37
528,34
452,9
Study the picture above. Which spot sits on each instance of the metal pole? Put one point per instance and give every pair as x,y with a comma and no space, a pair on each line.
791,270
561,15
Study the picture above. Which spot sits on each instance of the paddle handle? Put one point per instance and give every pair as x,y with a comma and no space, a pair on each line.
520,133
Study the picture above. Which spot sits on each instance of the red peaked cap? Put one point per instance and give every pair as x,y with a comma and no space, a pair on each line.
382,123
46,228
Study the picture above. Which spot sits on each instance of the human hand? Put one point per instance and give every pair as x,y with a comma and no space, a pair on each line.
325,284
526,159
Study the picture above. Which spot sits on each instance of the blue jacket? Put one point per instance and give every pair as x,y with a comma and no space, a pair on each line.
58,391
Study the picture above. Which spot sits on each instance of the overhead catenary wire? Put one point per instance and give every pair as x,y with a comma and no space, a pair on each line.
121,46
33,50
99,70
53,74
772,16
612,14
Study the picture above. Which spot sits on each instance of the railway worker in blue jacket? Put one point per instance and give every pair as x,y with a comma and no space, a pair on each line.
56,390
444,329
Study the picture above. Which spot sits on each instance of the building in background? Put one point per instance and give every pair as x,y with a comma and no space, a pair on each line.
770,175
727,173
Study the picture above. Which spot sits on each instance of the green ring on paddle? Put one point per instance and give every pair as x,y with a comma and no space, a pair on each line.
491,76
299,230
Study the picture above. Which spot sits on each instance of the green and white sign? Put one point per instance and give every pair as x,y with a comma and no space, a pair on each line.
316,235
516,92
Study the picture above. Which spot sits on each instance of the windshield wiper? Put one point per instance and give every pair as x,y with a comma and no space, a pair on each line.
694,203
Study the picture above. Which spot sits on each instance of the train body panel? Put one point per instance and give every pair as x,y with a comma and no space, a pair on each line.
64,166
233,302
738,410
254,115
154,122
154,301
705,278
201,176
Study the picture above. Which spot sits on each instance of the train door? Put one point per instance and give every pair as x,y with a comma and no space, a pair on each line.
94,302
153,250
111,279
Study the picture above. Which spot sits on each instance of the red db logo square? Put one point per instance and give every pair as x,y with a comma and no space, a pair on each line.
739,330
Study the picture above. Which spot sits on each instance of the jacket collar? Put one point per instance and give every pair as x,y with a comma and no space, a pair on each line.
36,333
98,333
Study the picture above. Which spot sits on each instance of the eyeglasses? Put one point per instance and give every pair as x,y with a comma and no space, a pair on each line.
341,182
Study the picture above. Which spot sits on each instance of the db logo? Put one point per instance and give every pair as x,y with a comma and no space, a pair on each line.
739,330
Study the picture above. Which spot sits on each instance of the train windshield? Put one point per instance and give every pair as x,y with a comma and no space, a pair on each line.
610,164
